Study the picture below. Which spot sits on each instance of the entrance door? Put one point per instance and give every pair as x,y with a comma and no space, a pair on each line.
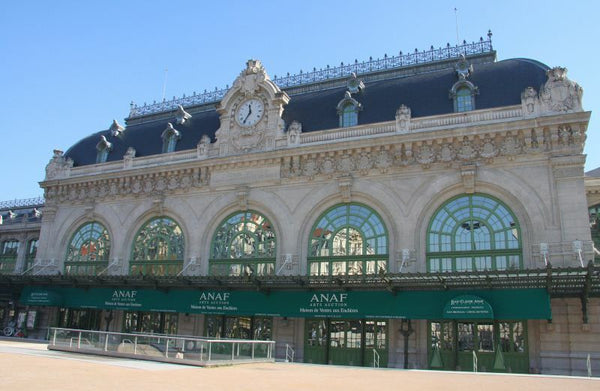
346,342
498,346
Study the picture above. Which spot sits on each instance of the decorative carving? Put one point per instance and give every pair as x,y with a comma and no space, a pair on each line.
488,149
310,168
463,68
510,146
383,160
293,133
345,187
403,115
529,101
345,163
170,131
181,116
58,167
354,84
364,163
467,173
242,197
465,150
425,155
559,94
128,157
116,129
447,153
252,83
203,146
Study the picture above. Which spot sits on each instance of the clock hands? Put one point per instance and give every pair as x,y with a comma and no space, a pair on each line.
249,112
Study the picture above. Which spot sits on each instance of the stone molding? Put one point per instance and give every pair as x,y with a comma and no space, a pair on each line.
140,185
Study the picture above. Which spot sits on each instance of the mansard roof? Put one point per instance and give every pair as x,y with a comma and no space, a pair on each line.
499,84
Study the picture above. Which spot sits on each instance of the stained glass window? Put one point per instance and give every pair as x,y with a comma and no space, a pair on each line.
244,244
473,232
90,243
348,239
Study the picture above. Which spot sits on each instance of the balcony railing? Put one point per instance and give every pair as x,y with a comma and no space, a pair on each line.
156,268
329,73
85,268
242,267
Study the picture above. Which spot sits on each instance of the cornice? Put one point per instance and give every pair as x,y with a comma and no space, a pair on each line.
479,137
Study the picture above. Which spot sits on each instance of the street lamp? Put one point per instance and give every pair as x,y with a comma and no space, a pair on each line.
406,330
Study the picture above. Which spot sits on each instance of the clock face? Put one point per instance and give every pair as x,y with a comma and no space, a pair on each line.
249,112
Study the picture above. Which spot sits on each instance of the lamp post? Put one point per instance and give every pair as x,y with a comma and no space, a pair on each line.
406,330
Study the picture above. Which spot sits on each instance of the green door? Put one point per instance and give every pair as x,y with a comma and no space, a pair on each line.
315,342
497,346
346,342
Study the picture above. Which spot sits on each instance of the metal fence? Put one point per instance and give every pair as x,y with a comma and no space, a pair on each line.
166,348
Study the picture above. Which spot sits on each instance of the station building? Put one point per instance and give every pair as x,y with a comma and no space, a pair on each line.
409,211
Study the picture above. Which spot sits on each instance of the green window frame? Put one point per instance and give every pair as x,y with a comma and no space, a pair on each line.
158,248
348,239
349,116
244,244
474,232
88,250
464,100
32,246
8,257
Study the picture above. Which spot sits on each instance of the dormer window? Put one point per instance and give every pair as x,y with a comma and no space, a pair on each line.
348,109
103,148
170,137
463,91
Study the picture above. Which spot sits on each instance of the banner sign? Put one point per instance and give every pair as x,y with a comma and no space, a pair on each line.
499,304
468,307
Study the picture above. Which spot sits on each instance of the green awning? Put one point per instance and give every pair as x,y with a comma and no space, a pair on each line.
503,303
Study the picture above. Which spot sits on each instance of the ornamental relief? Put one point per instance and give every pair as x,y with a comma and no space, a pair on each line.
444,151
128,186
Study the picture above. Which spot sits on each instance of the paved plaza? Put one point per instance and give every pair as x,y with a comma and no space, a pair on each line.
29,366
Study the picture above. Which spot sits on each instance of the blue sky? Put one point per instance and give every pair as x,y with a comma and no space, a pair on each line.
68,68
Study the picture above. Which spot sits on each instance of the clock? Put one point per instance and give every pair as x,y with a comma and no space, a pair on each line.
250,112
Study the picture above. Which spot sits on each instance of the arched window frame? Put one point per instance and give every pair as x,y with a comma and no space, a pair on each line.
463,94
32,246
103,148
464,214
336,224
261,257
88,250
170,136
8,256
347,110
158,248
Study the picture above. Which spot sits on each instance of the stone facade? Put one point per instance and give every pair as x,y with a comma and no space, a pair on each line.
528,156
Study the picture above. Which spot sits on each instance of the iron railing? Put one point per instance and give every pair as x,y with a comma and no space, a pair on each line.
171,348
22,203
329,73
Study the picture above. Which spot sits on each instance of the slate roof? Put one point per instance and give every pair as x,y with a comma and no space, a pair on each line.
595,173
500,84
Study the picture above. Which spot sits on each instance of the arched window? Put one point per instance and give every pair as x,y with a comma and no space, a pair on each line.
102,150
32,247
8,256
464,100
348,239
158,248
473,232
89,250
348,109
170,136
463,93
349,116
244,244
